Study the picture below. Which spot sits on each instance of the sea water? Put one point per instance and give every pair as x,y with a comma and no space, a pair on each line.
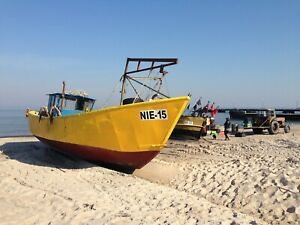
13,123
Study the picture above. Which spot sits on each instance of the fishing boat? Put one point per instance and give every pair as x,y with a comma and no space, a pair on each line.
197,122
188,125
129,134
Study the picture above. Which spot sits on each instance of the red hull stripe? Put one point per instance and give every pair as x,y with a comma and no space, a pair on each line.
129,159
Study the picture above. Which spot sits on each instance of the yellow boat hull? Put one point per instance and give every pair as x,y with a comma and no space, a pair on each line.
128,135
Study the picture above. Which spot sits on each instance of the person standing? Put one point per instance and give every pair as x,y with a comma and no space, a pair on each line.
226,128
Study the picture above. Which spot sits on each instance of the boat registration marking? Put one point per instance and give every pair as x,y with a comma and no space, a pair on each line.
154,114
188,123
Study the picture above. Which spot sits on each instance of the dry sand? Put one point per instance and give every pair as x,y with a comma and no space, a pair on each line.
250,180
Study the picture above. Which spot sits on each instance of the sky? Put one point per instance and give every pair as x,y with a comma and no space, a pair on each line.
236,53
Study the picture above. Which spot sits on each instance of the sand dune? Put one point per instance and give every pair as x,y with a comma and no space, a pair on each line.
252,180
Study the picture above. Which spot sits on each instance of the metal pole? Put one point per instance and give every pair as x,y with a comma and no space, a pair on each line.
63,95
123,82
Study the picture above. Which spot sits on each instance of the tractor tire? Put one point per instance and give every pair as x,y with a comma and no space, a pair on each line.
257,131
274,127
287,129
240,134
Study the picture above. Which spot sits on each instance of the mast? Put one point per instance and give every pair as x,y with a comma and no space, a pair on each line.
63,95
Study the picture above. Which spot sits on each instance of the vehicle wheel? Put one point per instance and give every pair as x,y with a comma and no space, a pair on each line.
287,129
240,134
257,131
274,127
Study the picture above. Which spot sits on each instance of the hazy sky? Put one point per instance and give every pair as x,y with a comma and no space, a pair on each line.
237,53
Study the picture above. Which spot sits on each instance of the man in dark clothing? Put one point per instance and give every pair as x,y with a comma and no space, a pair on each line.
226,128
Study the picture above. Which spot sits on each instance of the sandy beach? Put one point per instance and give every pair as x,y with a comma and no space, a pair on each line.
249,180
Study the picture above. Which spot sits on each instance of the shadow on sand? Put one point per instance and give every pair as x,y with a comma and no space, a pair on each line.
39,154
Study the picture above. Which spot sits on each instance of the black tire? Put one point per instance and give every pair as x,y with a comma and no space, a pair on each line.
287,129
240,134
274,127
257,130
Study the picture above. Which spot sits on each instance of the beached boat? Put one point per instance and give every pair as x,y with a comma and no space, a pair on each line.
130,134
190,126
197,122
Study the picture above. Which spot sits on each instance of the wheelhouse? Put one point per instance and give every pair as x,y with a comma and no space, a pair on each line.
70,104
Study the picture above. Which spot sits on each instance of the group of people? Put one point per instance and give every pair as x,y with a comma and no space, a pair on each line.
198,110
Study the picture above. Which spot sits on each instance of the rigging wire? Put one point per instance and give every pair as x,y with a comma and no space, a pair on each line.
111,94
134,89
149,84
157,83
154,80
166,85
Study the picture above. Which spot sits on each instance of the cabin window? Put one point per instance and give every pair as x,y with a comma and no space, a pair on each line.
79,104
88,105
51,101
69,104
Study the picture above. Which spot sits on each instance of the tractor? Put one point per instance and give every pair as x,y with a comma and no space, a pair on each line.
265,120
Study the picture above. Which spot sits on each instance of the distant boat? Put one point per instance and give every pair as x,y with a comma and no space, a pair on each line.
240,114
130,134
289,115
